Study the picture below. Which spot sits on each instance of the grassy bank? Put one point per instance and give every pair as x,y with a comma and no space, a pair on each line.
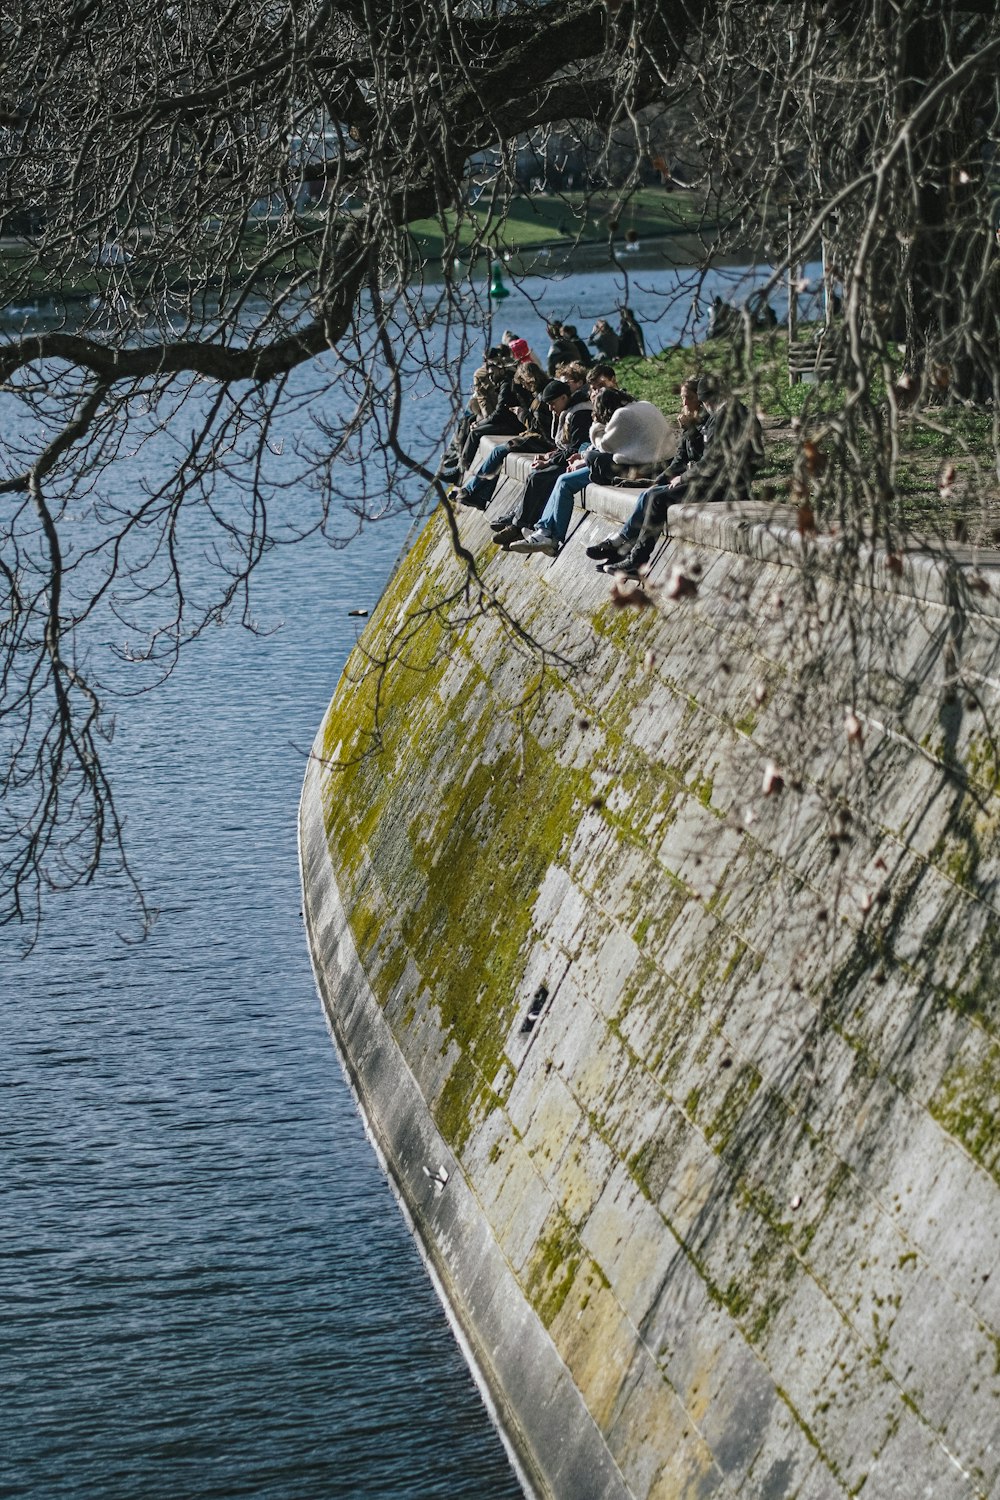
529,224
565,218
945,479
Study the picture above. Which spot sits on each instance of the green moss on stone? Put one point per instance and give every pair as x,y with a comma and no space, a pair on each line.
730,1113
701,788
640,1164
967,1105
555,1261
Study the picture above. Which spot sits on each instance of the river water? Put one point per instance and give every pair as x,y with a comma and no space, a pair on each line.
208,1290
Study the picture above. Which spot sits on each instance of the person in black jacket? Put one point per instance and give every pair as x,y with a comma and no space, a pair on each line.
535,437
521,382
630,337
572,416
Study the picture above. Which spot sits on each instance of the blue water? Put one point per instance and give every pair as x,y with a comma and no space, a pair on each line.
207,1287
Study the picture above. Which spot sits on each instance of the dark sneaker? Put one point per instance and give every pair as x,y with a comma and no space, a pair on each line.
472,500
611,547
634,564
500,523
508,535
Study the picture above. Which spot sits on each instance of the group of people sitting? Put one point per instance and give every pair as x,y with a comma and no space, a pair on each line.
582,428
566,345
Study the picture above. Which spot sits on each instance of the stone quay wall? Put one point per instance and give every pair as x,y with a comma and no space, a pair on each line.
725,1221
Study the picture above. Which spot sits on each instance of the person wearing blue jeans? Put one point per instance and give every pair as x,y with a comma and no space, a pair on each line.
731,450
477,491
631,548
553,524
625,431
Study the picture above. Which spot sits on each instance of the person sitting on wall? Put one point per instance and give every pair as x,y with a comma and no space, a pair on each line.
535,436
731,452
574,373
487,380
625,434
486,383
604,339
602,378
572,414
506,418
599,377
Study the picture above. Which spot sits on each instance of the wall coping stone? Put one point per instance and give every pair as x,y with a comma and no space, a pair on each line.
942,573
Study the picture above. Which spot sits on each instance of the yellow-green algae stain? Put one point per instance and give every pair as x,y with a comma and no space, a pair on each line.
409,825
967,1104
441,841
555,1260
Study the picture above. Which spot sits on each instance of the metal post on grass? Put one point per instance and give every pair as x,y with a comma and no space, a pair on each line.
793,295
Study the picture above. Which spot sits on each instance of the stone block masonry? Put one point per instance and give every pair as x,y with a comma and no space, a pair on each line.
724,1221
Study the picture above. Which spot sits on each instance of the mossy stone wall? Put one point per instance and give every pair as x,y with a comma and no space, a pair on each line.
731,1207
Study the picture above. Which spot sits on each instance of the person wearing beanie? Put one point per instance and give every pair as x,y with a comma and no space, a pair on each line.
510,338
521,394
594,464
508,416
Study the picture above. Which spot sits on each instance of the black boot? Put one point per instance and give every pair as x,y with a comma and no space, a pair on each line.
508,535
634,563
606,550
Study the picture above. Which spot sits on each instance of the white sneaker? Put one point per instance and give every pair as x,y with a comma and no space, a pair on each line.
534,539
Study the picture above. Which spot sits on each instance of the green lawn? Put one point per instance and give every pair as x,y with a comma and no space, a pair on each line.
565,218
953,437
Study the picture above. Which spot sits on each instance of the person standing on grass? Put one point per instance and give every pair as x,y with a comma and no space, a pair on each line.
631,342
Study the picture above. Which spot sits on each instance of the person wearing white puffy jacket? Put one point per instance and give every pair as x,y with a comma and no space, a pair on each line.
636,436
625,433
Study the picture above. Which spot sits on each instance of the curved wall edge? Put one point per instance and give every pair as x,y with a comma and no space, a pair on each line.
550,1435
724,1221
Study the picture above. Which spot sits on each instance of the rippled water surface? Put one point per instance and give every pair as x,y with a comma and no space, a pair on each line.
207,1287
